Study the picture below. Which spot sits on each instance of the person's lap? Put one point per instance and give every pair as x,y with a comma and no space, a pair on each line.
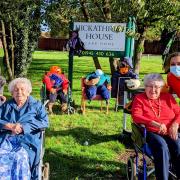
14,160
164,149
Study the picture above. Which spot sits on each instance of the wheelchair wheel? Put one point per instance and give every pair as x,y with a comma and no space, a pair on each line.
131,169
71,110
46,172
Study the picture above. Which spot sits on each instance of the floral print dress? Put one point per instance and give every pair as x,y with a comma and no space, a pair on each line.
14,160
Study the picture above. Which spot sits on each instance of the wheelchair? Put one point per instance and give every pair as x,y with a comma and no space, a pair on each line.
44,168
140,166
70,102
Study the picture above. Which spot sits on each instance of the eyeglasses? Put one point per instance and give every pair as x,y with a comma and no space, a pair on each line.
154,87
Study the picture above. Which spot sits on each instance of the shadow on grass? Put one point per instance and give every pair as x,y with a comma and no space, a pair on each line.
89,109
68,167
81,135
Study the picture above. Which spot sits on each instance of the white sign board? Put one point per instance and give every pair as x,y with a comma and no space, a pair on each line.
100,36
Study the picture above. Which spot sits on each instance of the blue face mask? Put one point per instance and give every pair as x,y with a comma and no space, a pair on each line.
175,70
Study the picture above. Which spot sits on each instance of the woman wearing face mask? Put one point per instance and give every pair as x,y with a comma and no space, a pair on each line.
173,77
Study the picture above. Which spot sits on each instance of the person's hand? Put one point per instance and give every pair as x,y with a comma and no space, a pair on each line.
109,87
53,91
65,91
173,131
9,126
14,128
17,128
91,82
94,81
162,129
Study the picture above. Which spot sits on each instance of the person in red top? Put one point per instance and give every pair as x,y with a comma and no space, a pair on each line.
160,114
56,87
173,77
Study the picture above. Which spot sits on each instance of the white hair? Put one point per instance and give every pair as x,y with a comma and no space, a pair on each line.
25,81
153,77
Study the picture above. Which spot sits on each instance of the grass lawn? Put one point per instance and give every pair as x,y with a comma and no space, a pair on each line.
83,146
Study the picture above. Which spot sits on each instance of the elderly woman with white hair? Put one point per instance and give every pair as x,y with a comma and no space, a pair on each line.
21,119
160,114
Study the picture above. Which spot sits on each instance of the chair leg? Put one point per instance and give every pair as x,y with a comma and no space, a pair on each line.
81,103
50,107
107,107
84,107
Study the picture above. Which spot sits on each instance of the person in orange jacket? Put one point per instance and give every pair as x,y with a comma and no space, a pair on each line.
56,87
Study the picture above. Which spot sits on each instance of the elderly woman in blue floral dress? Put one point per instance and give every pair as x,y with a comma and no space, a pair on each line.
21,118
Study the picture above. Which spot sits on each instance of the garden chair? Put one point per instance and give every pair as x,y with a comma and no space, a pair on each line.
84,98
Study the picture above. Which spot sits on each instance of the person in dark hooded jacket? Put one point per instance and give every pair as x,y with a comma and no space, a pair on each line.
124,71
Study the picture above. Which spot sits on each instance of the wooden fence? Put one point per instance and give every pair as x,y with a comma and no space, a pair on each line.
154,47
52,44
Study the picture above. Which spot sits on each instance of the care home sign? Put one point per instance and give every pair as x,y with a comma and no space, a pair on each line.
100,39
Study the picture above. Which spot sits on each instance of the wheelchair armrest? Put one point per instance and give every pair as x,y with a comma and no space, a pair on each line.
142,128
138,134
42,129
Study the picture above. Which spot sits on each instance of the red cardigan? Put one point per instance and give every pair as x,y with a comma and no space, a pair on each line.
173,83
142,112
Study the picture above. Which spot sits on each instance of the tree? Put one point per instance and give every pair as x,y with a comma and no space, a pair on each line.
148,14
81,10
20,29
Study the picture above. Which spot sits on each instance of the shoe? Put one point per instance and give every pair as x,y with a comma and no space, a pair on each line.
50,107
107,101
64,107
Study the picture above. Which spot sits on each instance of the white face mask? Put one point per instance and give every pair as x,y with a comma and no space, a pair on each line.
175,70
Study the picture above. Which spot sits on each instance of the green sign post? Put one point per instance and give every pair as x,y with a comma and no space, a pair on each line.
133,29
102,40
128,39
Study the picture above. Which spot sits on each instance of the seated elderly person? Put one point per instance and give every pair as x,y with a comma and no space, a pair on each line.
2,83
21,119
160,113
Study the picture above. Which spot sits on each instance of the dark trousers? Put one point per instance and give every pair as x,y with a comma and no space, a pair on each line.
59,95
91,92
164,150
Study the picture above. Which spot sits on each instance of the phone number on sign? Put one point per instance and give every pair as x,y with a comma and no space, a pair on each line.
98,53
